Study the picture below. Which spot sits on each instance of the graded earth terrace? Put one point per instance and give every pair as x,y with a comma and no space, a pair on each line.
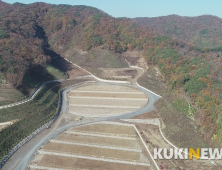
104,145
100,100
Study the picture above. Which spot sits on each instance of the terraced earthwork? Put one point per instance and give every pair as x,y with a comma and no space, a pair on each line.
101,100
104,145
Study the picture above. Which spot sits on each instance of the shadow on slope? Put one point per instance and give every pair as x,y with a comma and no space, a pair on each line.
34,77
57,61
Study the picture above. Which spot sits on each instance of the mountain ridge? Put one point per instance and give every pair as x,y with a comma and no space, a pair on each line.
30,33
202,31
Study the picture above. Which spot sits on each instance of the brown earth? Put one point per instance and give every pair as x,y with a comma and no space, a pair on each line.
91,151
148,115
99,140
155,140
107,102
96,112
107,87
113,95
107,128
66,162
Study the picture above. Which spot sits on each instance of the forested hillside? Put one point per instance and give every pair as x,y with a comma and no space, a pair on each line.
202,31
30,33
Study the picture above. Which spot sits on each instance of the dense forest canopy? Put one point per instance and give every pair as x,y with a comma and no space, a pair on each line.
26,31
202,31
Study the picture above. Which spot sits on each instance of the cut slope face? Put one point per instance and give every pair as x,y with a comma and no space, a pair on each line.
104,145
101,100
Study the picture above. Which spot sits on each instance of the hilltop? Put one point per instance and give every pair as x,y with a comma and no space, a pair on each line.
202,31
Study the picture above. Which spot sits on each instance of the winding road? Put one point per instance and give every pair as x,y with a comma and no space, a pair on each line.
22,165
149,107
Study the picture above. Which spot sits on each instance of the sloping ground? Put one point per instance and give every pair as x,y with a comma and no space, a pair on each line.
126,74
31,115
104,145
5,124
9,95
201,31
152,80
103,100
31,80
96,60
148,126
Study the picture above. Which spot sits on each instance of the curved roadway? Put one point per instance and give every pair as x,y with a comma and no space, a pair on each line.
148,107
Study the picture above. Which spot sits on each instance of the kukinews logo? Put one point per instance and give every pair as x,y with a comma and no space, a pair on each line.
187,153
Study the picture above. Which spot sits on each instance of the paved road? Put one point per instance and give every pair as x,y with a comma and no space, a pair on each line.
148,107
33,94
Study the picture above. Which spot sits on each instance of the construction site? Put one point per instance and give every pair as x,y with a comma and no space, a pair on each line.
102,145
101,100
103,124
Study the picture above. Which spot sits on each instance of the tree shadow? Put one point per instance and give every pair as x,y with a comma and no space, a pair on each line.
57,61
38,74
33,77
40,33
